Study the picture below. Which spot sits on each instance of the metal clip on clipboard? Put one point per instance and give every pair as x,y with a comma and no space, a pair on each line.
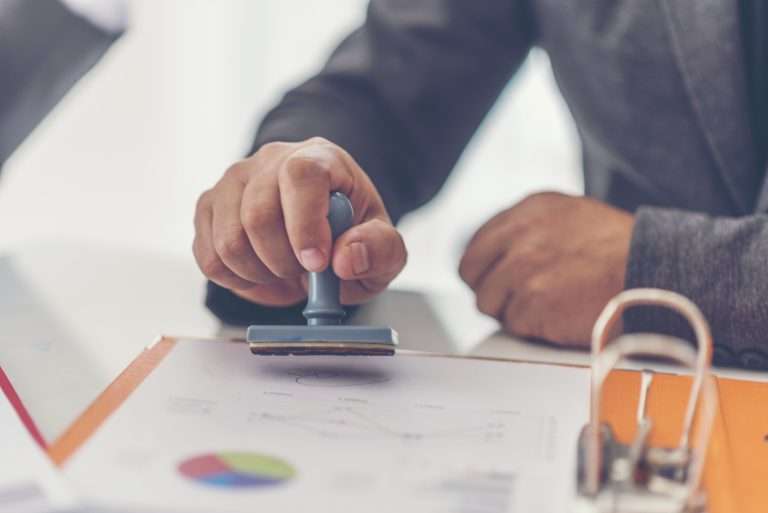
635,477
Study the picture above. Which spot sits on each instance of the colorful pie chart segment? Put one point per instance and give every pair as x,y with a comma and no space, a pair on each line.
236,470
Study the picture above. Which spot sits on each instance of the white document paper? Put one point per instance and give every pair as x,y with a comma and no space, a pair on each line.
29,482
214,428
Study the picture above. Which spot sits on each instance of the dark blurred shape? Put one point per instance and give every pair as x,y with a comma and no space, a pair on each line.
44,50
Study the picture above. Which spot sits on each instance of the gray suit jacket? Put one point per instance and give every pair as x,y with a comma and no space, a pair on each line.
44,49
658,93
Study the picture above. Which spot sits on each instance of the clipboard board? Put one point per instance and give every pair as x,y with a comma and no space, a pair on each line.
735,440
736,460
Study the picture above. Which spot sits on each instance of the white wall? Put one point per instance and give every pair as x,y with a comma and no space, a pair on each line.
122,160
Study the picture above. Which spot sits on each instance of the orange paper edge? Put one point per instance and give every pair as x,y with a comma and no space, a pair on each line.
109,401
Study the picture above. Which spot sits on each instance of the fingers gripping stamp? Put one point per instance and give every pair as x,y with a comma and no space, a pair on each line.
325,333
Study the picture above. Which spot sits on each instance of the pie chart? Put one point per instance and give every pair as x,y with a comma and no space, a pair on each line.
235,469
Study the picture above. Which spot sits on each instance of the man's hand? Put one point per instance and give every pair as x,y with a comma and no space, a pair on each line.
547,266
264,224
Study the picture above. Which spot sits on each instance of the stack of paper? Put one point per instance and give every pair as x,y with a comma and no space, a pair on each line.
214,428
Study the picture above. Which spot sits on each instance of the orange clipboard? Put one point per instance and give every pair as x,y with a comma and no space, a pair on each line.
737,458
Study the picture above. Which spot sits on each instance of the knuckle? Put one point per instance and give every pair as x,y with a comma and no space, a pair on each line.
389,245
483,305
527,319
207,261
271,148
271,154
539,195
236,170
211,266
259,219
466,270
543,197
463,272
318,140
511,324
530,203
526,202
525,258
252,218
303,170
231,245
536,286
522,305
380,226
204,201
517,319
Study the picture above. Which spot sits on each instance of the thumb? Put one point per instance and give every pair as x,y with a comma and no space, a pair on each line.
372,253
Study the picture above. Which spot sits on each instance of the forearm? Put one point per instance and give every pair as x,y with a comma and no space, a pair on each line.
44,50
720,264
402,95
405,92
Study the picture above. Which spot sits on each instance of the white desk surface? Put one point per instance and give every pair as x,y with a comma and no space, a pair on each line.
73,317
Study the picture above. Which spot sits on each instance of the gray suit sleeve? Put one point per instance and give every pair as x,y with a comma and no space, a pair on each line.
406,92
44,50
720,263
403,95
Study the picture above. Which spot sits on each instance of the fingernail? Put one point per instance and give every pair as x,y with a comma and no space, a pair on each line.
360,263
312,259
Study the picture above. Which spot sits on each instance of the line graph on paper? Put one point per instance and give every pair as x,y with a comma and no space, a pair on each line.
411,425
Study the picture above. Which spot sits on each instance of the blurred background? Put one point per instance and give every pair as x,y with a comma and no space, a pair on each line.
122,159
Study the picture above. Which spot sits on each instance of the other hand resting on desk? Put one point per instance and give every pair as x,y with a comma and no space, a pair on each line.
547,266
